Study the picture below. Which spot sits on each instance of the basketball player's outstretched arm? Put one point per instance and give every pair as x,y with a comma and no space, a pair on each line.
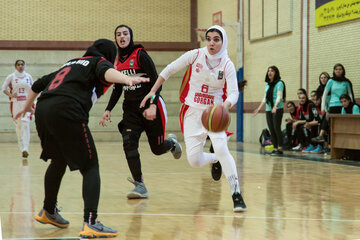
28,105
114,76
185,60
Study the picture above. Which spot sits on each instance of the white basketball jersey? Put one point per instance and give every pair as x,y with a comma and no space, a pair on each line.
19,84
207,84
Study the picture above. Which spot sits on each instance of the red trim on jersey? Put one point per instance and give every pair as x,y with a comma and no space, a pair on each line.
11,109
183,110
162,115
85,57
297,113
11,89
319,110
224,96
228,134
184,88
86,136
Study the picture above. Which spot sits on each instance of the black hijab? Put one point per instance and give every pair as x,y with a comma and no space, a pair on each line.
124,52
270,92
349,109
102,48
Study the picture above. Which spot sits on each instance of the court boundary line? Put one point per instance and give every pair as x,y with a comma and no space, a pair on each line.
0,230
53,238
202,215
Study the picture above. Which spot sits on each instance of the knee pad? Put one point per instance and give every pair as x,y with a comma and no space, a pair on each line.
130,144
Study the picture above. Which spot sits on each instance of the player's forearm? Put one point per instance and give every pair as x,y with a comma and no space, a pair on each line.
30,100
7,93
114,76
160,80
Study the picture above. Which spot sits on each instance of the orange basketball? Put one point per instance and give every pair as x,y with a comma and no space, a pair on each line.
215,118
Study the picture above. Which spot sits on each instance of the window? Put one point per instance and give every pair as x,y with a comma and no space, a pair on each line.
269,18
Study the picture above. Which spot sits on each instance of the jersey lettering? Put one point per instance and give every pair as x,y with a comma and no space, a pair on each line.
203,98
59,78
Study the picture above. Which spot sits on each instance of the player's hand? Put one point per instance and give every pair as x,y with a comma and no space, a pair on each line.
105,117
148,96
23,112
256,111
273,110
135,80
14,95
150,113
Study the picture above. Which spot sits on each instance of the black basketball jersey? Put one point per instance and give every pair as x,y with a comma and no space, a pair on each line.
78,79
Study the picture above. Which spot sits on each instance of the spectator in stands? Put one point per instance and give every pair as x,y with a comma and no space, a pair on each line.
314,125
337,85
275,95
348,106
294,115
301,91
323,79
299,129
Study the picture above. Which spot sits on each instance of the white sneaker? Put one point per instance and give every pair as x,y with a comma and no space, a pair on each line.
297,148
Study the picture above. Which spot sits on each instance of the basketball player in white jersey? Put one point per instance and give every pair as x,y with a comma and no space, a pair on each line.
16,87
209,80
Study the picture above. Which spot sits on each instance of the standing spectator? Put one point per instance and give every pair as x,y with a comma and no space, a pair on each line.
275,95
16,87
323,79
337,85
62,116
348,106
210,73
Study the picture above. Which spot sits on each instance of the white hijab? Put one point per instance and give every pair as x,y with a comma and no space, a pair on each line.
223,51
20,74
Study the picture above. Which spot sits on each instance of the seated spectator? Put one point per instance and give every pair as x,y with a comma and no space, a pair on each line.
301,91
294,115
314,125
299,130
348,106
313,96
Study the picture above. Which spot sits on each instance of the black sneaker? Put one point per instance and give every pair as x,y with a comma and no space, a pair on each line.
25,154
318,139
216,171
239,204
277,152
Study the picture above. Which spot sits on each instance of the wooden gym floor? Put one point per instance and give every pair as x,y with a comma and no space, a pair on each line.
289,197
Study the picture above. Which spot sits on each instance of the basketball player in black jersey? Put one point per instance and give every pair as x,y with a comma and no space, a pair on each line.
62,114
134,61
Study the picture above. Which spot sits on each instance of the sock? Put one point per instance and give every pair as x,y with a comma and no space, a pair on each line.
234,184
90,217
